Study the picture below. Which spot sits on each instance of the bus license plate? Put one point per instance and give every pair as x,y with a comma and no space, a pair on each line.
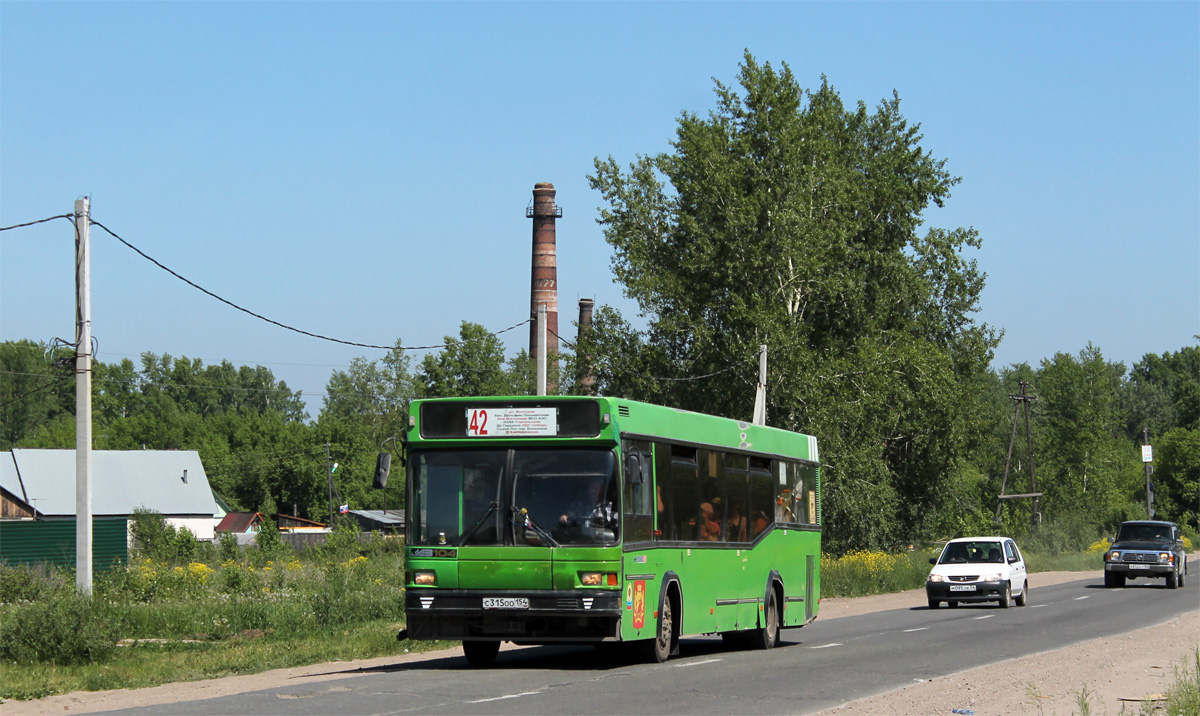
962,587
505,603
1139,566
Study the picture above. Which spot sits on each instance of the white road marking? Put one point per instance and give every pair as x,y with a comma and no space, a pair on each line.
985,616
1039,606
1083,597
507,696
824,646
917,629
695,663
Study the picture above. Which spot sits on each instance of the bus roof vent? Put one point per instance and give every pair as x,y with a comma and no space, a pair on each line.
623,411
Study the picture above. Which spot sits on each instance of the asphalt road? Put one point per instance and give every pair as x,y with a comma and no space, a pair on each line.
822,665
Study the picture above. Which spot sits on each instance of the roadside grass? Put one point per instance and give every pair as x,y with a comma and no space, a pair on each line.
210,612
1183,698
858,574
151,664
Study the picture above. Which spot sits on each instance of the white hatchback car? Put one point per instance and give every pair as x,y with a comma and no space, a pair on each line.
978,569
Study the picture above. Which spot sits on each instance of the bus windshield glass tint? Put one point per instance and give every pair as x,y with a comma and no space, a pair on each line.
551,497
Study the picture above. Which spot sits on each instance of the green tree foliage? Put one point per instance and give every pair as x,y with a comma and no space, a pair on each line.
472,364
786,218
1086,465
1163,392
1177,476
33,391
375,393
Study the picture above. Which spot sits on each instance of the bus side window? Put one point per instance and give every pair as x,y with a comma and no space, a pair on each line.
762,502
711,516
810,494
664,525
637,470
685,493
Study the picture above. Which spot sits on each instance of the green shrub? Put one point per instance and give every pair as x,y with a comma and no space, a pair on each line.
61,628
152,536
1184,695
23,583
228,549
155,538
343,542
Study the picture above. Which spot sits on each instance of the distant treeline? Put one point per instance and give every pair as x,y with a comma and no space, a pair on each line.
261,453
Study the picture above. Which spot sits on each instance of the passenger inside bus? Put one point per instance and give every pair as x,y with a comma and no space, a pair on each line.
710,523
737,522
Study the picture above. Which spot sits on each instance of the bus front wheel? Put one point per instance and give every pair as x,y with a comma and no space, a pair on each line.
481,653
767,636
659,649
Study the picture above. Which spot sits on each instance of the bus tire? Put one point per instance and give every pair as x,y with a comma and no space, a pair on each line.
658,649
481,653
767,636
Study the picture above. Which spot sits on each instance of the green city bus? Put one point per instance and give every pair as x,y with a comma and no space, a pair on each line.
542,520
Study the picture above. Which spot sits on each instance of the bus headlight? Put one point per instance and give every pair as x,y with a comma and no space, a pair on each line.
425,579
598,579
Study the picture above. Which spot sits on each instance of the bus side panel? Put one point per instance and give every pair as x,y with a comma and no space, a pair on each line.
797,581
641,583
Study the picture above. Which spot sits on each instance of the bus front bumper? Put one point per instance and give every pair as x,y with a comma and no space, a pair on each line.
517,616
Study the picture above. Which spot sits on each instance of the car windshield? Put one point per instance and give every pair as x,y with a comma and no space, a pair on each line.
1144,533
972,552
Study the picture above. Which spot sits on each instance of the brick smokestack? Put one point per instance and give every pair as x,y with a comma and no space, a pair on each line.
587,381
544,284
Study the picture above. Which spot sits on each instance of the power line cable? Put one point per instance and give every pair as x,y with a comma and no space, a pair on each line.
44,386
284,325
39,221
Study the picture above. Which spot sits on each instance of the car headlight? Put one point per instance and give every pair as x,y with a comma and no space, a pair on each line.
1166,557
994,577
936,578
1112,556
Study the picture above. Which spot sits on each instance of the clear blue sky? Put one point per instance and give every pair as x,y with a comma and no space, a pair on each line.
361,170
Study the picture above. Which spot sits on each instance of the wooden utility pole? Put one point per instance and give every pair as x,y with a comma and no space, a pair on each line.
1023,399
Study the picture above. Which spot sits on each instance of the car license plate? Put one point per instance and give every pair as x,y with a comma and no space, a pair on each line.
505,603
962,587
1139,566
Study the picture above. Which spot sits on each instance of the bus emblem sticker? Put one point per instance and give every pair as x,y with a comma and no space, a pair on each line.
639,604
629,596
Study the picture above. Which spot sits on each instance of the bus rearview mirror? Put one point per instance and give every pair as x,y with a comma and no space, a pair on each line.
382,466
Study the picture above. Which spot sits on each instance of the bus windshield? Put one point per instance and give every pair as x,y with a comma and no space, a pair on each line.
523,496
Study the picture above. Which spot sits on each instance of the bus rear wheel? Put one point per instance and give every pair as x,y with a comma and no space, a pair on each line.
767,636
481,653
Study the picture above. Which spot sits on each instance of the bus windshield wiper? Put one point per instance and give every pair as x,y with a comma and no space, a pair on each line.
477,523
528,522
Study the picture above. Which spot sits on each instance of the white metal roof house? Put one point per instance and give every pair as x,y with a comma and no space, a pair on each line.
170,482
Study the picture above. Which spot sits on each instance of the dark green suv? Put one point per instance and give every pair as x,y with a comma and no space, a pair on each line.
1146,548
